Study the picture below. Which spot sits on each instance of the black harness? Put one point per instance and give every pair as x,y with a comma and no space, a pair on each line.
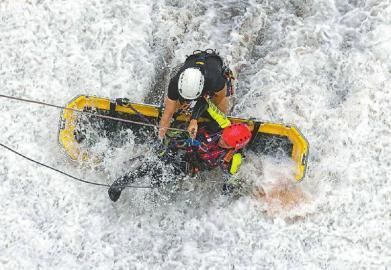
197,60
199,57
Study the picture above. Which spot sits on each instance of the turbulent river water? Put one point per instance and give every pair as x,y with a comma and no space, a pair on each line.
322,65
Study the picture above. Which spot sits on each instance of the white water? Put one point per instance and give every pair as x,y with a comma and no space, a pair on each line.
322,65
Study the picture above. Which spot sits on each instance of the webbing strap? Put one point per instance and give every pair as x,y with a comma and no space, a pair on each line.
126,103
254,133
113,104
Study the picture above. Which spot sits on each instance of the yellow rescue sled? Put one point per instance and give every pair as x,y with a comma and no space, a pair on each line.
268,138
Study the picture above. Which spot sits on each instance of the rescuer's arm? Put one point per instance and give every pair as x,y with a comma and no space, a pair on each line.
169,110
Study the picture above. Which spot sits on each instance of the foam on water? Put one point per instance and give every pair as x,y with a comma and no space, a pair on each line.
321,65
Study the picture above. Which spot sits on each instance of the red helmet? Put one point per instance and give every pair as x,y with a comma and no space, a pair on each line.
237,135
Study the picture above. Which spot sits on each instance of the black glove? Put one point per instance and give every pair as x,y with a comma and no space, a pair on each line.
119,185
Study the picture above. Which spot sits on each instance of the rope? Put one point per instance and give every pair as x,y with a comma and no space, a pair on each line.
66,174
84,112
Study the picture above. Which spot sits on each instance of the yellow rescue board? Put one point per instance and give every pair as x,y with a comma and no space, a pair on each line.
269,138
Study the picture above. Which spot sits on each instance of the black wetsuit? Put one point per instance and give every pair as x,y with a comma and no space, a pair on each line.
183,156
152,168
172,155
212,69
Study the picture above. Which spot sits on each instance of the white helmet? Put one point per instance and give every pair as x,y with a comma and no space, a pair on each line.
191,83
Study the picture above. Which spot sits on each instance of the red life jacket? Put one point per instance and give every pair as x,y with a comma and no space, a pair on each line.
210,153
